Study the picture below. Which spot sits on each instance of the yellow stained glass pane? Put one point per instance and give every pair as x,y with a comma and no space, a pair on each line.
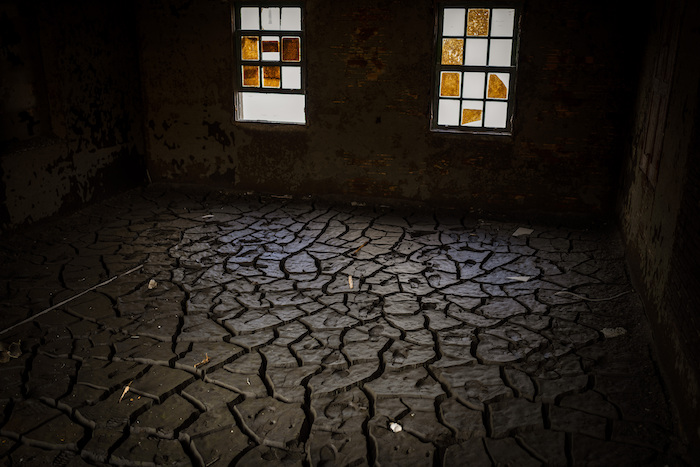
449,85
452,51
497,89
291,49
249,48
271,76
251,76
470,115
478,22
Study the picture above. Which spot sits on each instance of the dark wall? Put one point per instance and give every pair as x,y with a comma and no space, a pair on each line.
660,202
71,112
369,68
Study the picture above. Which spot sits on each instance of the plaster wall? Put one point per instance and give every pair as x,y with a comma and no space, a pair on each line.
369,68
660,200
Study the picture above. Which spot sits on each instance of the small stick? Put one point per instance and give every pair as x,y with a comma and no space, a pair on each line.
203,362
70,299
361,247
581,297
126,389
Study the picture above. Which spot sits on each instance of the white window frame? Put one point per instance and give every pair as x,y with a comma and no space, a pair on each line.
482,56
281,99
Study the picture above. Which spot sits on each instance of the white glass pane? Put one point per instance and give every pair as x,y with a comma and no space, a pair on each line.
500,52
474,84
250,18
475,52
472,113
496,114
266,107
448,112
269,43
502,22
291,77
453,22
498,86
271,19
291,19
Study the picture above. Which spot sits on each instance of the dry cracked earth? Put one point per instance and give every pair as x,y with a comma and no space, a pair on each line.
287,332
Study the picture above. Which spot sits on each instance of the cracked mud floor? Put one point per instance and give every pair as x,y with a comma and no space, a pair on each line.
291,333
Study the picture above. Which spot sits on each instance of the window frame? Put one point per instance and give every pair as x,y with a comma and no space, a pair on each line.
512,70
238,33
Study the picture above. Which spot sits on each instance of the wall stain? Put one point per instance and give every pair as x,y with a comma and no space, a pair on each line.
215,131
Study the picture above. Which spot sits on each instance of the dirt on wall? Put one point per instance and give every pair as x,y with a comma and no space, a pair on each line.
74,69
659,202
369,72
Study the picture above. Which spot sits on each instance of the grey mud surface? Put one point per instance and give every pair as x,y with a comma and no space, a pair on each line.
241,341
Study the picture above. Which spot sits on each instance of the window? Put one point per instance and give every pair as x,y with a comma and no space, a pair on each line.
270,63
475,69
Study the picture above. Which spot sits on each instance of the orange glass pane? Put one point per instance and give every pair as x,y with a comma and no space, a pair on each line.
497,89
249,48
452,51
478,22
291,49
270,46
470,115
449,85
271,76
251,76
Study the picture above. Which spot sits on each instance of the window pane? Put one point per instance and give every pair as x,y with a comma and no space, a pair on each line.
453,22
475,53
271,19
475,68
503,22
291,49
498,86
291,77
496,114
269,60
448,112
472,113
478,22
452,51
500,52
271,76
249,48
250,18
268,107
251,76
474,84
449,84
291,19
271,48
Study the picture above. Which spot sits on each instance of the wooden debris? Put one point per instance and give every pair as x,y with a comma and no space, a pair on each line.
203,362
126,389
361,247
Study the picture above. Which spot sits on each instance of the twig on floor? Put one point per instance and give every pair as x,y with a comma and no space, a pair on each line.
126,389
71,299
203,362
592,299
361,247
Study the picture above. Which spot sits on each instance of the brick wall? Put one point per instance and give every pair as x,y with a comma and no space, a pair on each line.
369,68
660,201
